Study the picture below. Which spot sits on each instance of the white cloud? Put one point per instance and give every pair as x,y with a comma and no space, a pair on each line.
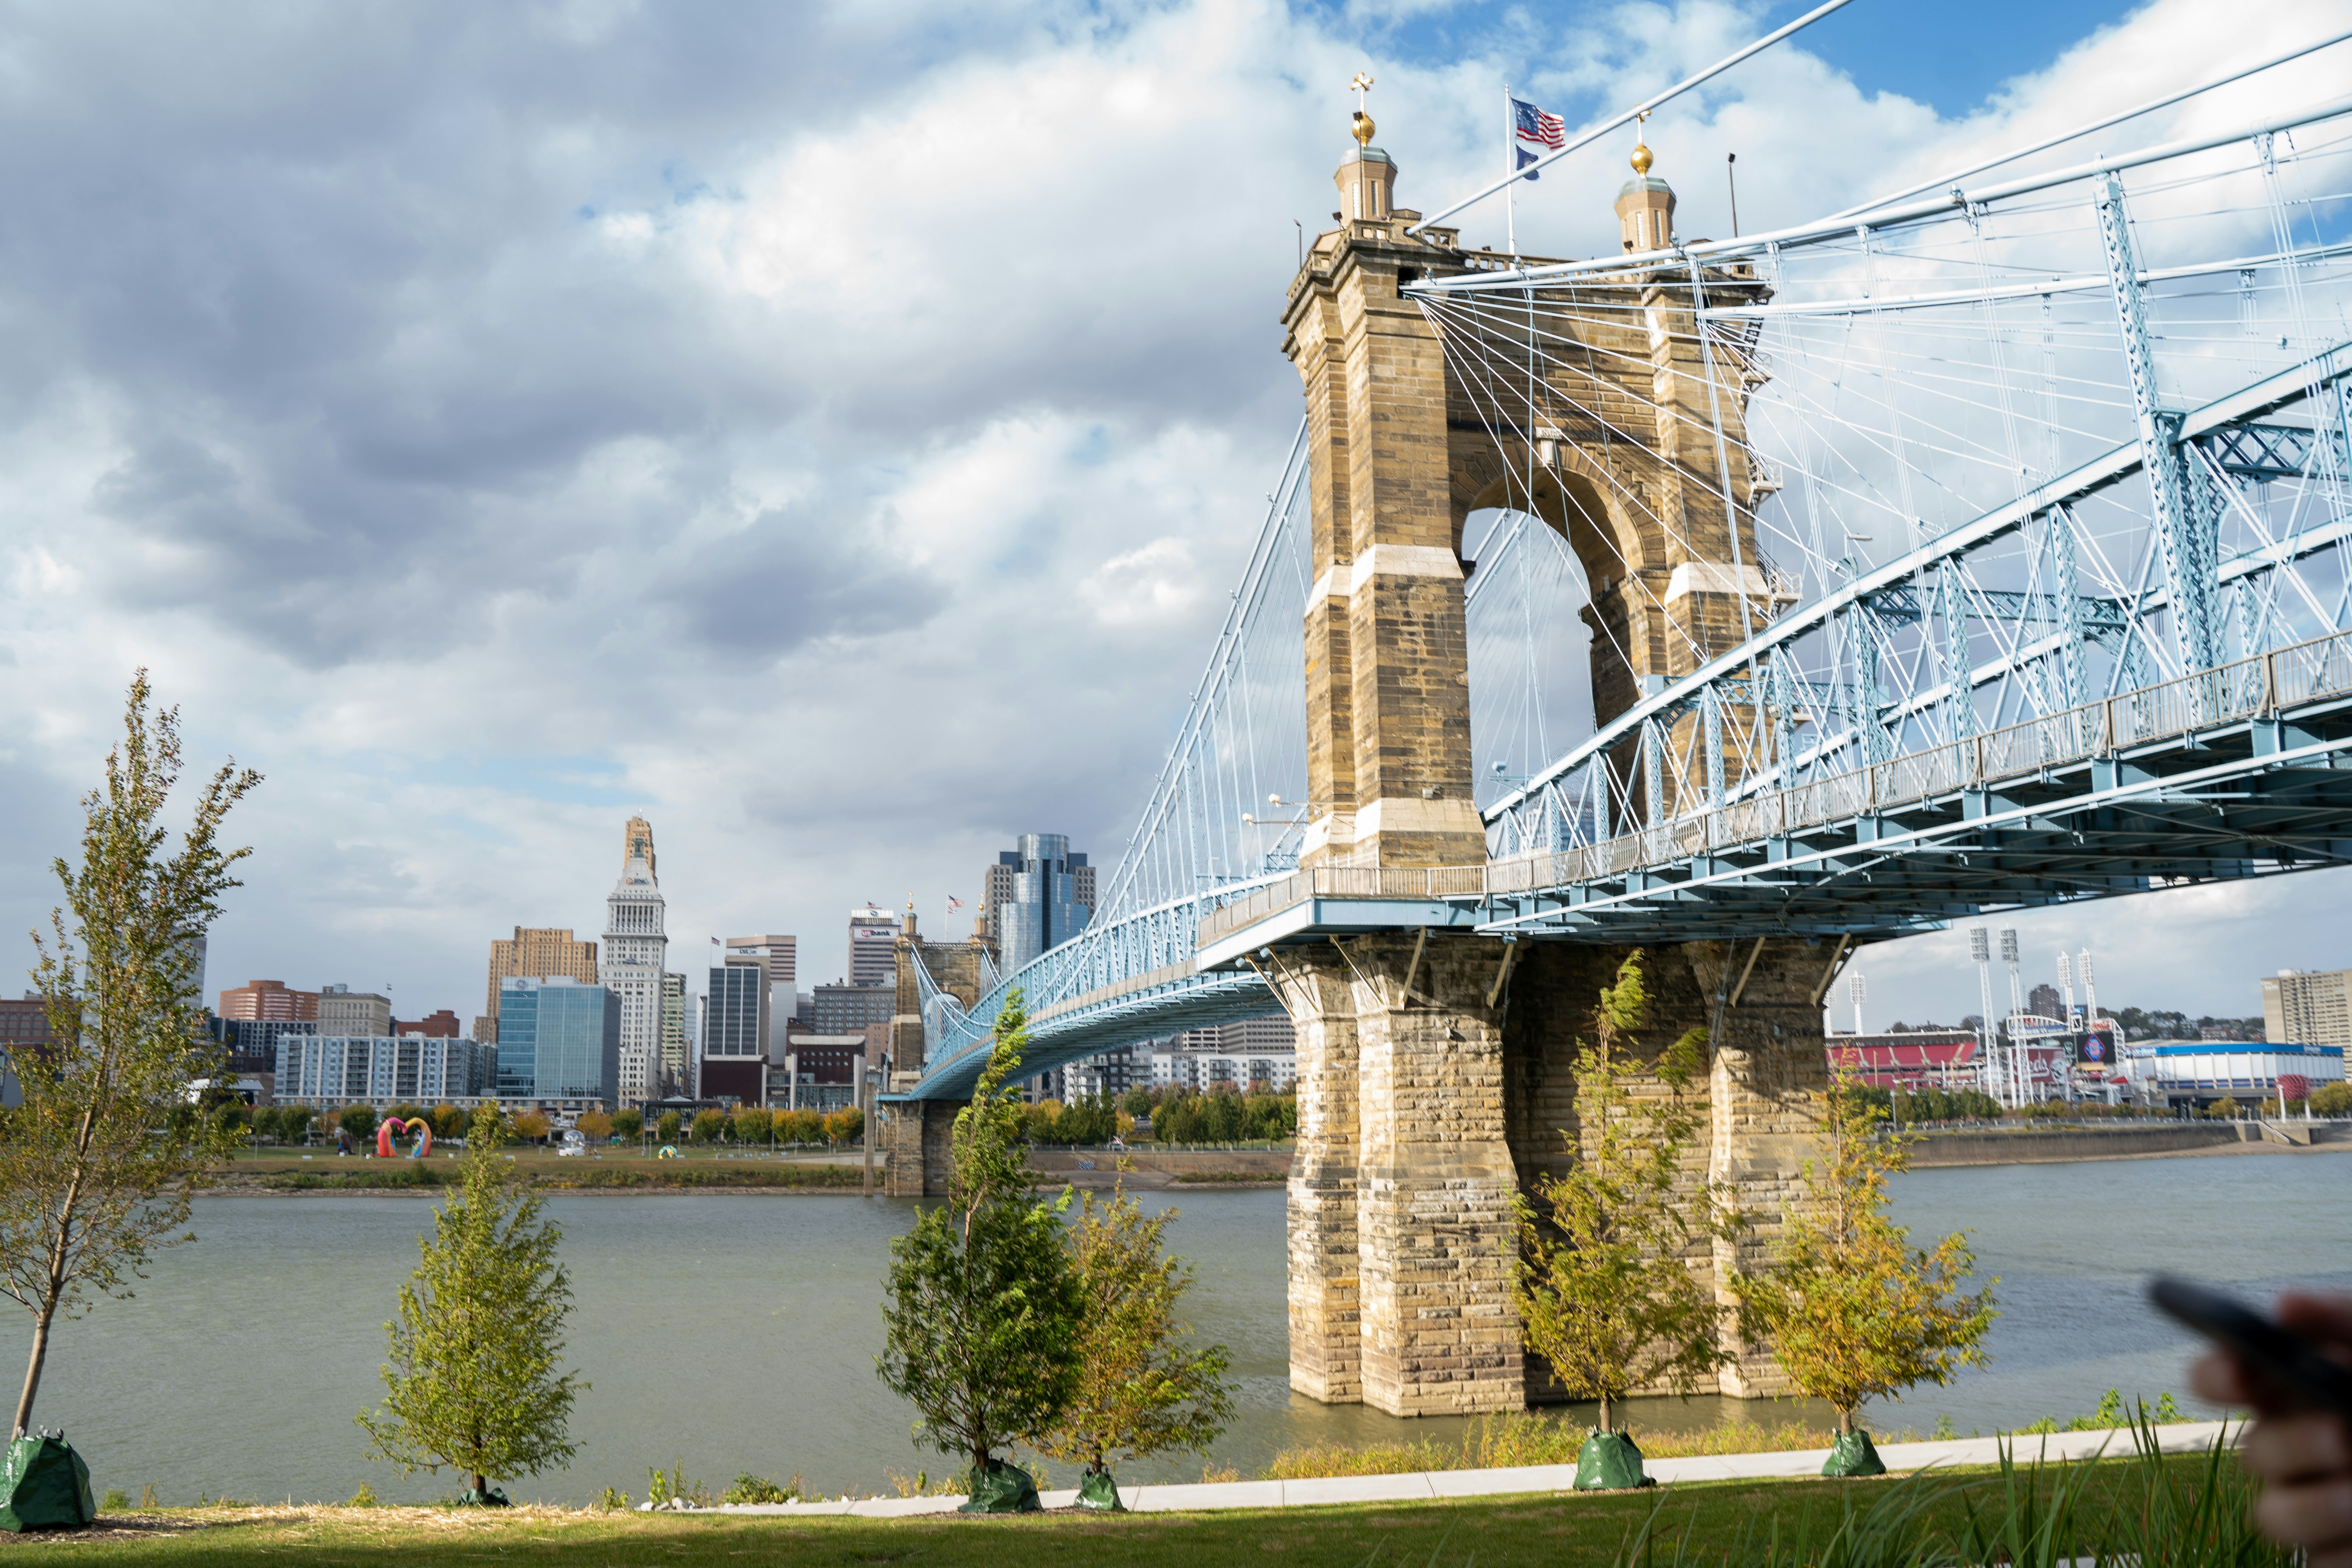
1155,585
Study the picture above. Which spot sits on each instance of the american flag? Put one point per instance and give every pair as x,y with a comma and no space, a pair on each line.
1536,125
954,903
1532,124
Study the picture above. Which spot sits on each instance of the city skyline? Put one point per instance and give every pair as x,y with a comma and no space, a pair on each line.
393,589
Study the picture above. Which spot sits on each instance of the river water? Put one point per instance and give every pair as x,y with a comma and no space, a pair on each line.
739,1333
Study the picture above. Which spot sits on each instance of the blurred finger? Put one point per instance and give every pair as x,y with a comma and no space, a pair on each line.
2294,1447
2216,1375
2317,1518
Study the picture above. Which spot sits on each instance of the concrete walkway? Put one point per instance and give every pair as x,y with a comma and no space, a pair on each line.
1428,1485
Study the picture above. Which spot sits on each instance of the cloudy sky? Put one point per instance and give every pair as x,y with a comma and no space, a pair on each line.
829,430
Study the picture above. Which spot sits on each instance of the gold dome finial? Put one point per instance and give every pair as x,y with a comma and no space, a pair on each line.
1362,125
1641,148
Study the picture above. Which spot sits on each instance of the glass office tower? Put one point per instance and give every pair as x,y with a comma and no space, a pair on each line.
559,1039
1044,910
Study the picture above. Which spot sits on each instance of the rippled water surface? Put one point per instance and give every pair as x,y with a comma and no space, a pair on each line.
739,1333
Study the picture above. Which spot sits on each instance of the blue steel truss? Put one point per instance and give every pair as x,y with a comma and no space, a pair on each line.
1124,979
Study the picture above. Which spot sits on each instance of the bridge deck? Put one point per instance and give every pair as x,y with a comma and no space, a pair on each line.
2232,771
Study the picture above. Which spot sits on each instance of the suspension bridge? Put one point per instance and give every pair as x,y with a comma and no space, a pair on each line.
1981,547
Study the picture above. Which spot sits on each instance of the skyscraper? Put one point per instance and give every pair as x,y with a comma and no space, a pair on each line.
535,953
996,885
873,947
735,1032
677,1035
781,955
1045,907
635,948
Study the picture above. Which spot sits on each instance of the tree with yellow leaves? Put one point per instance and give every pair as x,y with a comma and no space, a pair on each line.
1141,1391
1603,1290
1853,1308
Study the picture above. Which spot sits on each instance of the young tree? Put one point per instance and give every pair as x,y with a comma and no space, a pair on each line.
751,1125
669,1125
1853,1308
471,1384
983,1309
595,1127
530,1126
358,1121
448,1122
628,1125
1139,1391
100,1159
706,1124
1602,1289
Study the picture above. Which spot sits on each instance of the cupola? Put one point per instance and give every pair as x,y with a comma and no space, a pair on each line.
1367,178
1645,206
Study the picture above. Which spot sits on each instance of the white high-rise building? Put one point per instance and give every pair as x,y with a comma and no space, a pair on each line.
635,948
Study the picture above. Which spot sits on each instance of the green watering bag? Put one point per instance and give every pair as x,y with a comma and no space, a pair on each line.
43,1485
1609,1462
1853,1455
999,1488
1097,1490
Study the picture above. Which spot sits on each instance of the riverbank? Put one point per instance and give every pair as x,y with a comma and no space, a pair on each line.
2031,1145
541,1172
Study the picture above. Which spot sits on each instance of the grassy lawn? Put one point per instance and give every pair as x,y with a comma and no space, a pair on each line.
1727,1522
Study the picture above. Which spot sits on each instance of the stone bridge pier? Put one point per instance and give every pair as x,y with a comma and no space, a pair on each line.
1435,1076
1436,1082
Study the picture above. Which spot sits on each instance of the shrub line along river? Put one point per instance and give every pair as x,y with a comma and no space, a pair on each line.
739,1333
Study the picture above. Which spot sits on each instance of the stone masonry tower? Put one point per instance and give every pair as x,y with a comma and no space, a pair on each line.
1433,1074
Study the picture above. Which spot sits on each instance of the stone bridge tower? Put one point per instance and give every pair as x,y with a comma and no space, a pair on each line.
916,1133
1434,1082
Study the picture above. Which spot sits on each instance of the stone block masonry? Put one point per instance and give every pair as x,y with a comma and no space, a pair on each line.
1401,1227
1428,1098
1432,1093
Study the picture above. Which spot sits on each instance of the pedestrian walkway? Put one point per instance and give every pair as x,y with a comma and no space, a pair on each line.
1425,1485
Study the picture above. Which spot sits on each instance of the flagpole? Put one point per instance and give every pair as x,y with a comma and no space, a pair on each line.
1510,168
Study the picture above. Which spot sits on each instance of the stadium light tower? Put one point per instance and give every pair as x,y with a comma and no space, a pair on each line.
1980,949
2066,989
2090,992
1857,988
2021,1065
